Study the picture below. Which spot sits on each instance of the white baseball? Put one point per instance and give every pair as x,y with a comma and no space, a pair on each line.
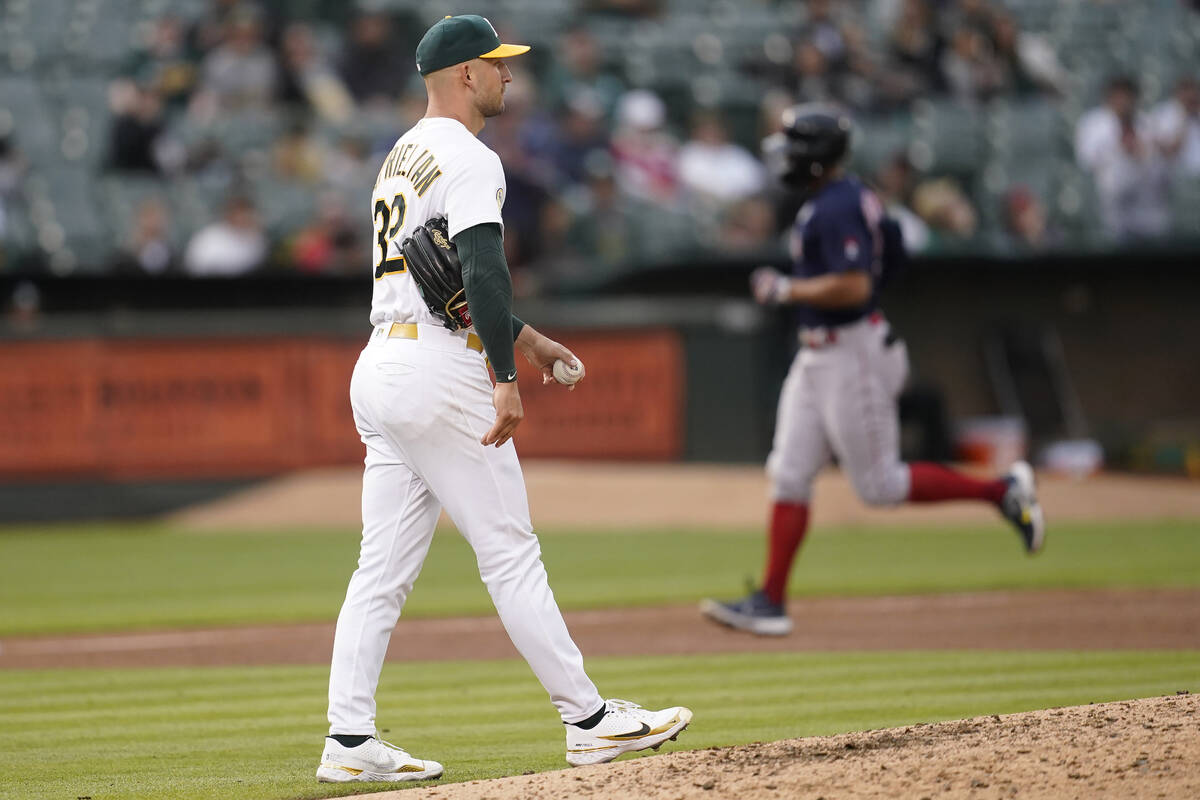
565,374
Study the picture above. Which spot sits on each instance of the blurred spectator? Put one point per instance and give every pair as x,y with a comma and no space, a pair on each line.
814,81
375,68
576,75
644,152
4,150
1030,61
865,83
602,231
308,79
977,14
329,243
824,30
747,225
298,156
164,64
558,258
581,132
814,77
833,60
1114,144
137,124
347,167
210,29
625,8
941,203
1176,127
770,112
893,183
233,245
147,248
531,127
11,170
713,168
1025,218
241,72
24,308
915,45
521,137
971,69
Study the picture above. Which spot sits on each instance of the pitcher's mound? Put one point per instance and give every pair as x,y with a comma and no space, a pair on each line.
1137,748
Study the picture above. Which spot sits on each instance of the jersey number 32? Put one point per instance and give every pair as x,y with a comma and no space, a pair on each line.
389,217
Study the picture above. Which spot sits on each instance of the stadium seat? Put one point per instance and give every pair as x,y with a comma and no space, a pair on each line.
82,118
877,139
1029,128
120,197
34,126
947,137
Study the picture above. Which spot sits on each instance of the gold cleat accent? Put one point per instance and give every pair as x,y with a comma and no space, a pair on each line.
351,770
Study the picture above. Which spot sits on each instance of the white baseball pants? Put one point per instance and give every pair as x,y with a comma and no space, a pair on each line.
421,406
840,399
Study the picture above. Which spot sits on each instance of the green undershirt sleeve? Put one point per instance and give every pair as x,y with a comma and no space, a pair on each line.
488,287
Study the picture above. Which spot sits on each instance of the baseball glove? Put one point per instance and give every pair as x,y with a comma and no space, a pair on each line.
432,260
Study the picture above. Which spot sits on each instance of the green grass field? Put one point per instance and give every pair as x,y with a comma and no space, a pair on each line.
254,733
96,578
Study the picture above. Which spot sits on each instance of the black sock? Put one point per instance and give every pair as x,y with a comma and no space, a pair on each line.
593,720
348,741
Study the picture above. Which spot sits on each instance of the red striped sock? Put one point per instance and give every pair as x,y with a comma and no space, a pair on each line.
931,483
789,523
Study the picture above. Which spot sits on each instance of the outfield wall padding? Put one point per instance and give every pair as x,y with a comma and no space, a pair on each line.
211,407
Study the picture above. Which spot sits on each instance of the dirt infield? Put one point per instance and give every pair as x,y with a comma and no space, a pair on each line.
573,495
1044,620
1130,749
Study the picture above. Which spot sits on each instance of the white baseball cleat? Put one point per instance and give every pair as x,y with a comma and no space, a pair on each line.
626,727
1020,505
372,761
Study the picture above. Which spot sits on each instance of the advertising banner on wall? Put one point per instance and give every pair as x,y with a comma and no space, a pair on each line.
205,408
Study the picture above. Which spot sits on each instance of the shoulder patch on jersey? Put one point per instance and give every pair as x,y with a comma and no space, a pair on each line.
500,199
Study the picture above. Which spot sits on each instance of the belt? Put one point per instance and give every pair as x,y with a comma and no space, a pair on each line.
815,338
409,330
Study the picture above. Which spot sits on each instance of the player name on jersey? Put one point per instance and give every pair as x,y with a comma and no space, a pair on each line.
406,162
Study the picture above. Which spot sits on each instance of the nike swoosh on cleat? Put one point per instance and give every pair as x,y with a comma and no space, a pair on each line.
645,729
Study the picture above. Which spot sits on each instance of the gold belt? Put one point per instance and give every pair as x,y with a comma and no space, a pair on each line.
408,330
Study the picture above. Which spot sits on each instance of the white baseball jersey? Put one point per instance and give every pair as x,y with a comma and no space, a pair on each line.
438,168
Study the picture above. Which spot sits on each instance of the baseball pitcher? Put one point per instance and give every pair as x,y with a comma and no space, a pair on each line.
839,398
438,434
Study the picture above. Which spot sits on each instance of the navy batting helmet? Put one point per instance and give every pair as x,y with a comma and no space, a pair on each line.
813,140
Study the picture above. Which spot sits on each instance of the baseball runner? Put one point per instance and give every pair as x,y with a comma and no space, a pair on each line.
438,434
839,398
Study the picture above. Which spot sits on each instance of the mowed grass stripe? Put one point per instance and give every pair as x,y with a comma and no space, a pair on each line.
261,737
105,578
838,690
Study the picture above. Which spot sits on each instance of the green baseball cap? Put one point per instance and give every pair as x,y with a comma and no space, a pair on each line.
454,40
